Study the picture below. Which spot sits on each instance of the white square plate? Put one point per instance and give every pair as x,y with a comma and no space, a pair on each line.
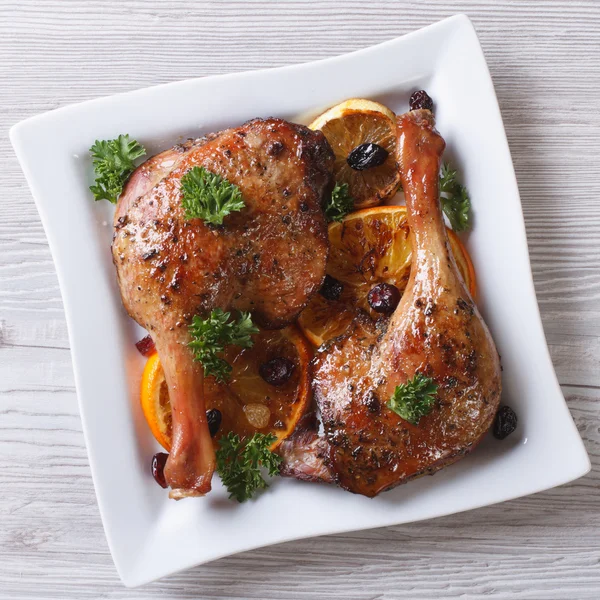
151,536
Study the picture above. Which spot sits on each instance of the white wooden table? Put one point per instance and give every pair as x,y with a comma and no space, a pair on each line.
544,57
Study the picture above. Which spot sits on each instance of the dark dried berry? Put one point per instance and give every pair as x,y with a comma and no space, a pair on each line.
146,346
367,156
332,288
159,460
213,417
383,298
420,99
276,371
505,423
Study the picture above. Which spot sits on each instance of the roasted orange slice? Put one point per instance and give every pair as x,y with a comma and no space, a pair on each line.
155,401
247,402
362,134
368,247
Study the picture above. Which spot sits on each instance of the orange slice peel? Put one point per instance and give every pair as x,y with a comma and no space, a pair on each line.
368,247
247,402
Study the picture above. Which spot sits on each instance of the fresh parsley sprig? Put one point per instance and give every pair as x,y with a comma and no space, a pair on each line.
210,337
239,463
414,399
455,199
339,204
208,196
113,164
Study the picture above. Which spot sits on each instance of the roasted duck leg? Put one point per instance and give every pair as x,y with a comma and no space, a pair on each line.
436,331
268,259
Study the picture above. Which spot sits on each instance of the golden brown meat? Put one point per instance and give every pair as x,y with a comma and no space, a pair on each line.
436,330
268,259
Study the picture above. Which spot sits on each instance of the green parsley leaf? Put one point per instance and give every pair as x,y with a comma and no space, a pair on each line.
414,399
211,335
208,196
455,199
113,164
239,463
340,203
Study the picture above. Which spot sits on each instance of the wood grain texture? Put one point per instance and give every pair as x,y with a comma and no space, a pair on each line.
545,61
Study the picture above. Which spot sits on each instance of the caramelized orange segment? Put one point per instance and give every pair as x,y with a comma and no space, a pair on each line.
351,124
247,402
368,247
155,401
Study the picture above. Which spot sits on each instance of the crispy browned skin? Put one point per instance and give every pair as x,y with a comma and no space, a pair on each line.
269,258
436,330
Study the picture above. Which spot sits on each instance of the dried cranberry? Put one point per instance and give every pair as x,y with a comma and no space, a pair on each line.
276,371
146,346
420,99
213,418
383,298
159,460
367,156
505,423
331,288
